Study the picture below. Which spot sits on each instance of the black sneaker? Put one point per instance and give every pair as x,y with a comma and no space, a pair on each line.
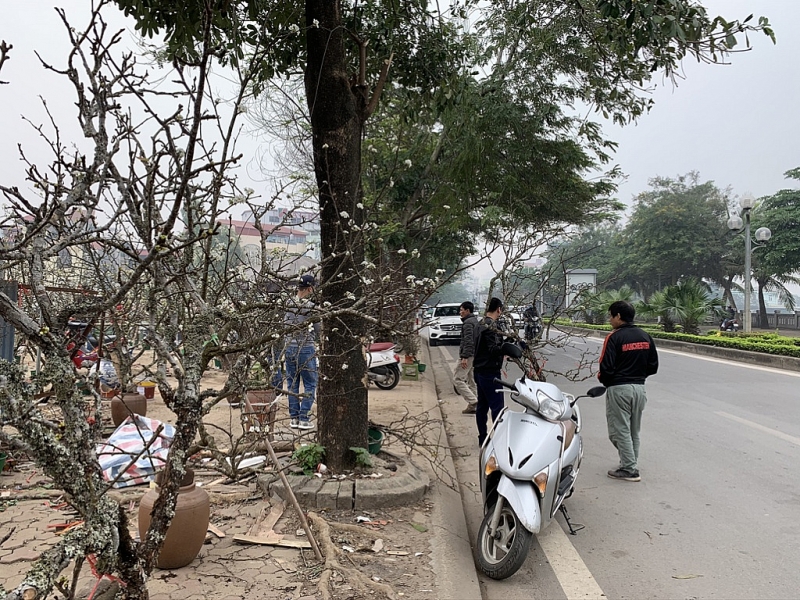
625,475
470,410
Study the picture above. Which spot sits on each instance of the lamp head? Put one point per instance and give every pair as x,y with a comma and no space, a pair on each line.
747,201
735,222
763,234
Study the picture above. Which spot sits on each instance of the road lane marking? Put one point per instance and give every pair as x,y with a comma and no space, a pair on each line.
778,434
721,361
572,573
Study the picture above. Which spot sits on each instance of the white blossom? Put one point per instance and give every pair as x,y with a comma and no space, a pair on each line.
401,251
326,304
360,206
249,191
446,206
386,278
439,271
410,278
294,28
344,215
391,183
407,162
344,366
315,23
325,147
415,253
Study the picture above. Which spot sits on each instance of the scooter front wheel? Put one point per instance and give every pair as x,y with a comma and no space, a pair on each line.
502,553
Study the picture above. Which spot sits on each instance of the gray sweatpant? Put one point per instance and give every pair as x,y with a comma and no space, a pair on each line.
624,406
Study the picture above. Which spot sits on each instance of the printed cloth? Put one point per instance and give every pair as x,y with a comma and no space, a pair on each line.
117,456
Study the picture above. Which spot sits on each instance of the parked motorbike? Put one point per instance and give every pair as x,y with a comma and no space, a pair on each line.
383,365
83,346
529,464
729,325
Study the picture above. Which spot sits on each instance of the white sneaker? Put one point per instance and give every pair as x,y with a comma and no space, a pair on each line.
294,424
305,425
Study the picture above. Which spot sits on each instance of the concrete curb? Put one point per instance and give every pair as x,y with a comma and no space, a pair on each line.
408,487
786,363
452,556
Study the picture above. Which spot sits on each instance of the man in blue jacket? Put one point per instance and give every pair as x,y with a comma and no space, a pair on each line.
628,357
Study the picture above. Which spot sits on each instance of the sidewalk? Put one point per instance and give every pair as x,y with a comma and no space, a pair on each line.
420,549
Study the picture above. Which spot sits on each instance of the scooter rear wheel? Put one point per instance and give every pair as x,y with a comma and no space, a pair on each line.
501,555
392,379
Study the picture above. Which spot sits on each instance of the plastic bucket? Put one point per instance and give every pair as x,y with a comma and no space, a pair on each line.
375,440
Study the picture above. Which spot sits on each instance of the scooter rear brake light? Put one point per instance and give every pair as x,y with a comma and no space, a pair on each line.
396,358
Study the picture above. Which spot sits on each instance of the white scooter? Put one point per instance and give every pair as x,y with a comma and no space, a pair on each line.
529,463
383,365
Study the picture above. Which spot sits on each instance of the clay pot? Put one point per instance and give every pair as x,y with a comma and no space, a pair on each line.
121,408
187,531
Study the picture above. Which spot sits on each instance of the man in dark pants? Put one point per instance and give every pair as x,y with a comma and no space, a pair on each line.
463,380
628,357
486,367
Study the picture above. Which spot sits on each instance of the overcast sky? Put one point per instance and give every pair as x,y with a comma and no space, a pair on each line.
737,125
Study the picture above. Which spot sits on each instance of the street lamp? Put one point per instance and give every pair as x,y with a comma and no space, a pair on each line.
747,202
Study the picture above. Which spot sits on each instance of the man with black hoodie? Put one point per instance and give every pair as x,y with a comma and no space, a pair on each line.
486,367
628,357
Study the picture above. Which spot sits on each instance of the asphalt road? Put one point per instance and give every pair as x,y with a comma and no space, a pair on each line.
716,513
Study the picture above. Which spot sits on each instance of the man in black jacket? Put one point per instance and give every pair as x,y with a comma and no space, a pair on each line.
486,367
628,357
463,380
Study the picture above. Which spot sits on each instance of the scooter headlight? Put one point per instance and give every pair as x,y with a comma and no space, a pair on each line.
551,409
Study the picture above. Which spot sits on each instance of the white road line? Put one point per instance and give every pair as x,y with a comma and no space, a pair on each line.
721,361
778,434
571,571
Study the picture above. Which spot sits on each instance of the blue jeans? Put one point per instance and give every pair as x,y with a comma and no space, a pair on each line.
301,363
489,398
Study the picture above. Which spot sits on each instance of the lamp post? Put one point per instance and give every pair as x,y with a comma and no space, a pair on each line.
747,202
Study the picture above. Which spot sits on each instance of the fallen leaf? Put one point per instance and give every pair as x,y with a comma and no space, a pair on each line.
377,546
419,527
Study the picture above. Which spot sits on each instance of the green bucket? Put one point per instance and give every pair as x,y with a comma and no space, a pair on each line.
375,440
421,367
3,458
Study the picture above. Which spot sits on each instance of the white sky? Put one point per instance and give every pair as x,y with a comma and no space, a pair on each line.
737,125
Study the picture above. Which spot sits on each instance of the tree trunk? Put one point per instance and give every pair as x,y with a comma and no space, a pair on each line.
763,321
337,108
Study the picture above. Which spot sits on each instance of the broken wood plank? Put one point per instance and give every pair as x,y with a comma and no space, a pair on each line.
266,519
276,540
216,530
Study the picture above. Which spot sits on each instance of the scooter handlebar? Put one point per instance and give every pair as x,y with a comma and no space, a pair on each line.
505,383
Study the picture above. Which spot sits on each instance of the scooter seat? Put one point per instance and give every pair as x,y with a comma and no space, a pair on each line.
380,346
570,427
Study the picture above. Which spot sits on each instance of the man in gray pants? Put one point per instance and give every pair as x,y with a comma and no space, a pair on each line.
628,357
463,380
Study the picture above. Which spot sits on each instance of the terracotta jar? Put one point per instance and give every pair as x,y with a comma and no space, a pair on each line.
121,408
187,531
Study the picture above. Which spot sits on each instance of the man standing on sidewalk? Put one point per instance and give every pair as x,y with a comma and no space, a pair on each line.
463,380
628,357
487,365
300,354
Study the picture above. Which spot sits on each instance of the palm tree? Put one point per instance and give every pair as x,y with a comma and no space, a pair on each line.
774,283
595,306
688,303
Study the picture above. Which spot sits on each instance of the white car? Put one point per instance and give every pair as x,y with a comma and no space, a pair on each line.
444,324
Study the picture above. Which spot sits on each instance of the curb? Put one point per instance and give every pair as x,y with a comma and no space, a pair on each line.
406,488
452,556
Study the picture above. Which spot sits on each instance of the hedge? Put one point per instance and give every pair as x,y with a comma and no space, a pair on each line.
767,343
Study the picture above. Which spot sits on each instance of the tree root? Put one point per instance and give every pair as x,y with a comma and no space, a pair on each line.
355,577
359,529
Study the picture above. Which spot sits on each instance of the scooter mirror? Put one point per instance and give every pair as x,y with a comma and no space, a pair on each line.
596,391
512,350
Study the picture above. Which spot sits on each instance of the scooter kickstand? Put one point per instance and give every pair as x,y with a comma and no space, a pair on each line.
572,530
